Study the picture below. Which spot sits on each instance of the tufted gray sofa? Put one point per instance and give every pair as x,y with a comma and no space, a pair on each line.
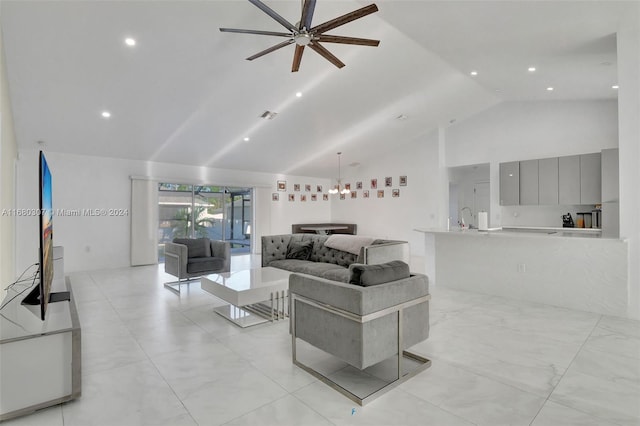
327,262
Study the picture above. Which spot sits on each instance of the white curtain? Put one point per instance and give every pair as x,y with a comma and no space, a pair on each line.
144,221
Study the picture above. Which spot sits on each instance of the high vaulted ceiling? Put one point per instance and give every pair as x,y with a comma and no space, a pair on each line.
185,93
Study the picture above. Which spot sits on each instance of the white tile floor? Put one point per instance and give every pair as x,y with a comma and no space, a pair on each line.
153,358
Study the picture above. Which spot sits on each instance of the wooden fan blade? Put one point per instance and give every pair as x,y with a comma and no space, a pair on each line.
347,40
344,19
326,54
259,32
269,50
266,9
307,14
297,58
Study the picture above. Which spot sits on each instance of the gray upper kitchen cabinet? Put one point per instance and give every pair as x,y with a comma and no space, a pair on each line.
510,183
529,182
590,178
569,180
548,181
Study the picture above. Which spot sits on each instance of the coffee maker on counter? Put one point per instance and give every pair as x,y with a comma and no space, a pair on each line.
567,221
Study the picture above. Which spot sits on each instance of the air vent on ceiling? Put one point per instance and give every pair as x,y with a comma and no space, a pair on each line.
269,115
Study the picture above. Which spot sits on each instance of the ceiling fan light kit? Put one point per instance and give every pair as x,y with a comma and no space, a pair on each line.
303,34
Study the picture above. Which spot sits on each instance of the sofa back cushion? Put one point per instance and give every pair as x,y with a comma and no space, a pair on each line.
196,247
368,275
322,253
274,247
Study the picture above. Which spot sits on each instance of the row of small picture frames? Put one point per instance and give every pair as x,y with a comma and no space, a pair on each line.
388,182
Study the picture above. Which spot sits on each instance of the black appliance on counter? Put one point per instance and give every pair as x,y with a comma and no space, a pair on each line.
567,221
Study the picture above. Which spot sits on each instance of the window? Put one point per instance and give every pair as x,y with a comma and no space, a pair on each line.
195,211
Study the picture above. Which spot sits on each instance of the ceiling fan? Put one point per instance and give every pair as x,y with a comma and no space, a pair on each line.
303,34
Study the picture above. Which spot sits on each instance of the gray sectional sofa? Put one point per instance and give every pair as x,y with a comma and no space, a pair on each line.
325,262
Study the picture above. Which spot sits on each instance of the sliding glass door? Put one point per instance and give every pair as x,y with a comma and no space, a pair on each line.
195,211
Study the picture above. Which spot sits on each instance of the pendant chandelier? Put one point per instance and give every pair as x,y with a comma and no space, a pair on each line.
339,188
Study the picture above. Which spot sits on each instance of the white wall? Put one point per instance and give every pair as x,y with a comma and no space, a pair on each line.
86,182
629,105
8,155
514,131
417,205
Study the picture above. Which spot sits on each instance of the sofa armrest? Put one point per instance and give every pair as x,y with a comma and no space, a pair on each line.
274,247
386,252
356,299
222,249
175,259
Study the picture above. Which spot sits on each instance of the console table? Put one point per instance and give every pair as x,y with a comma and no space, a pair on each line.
324,228
39,360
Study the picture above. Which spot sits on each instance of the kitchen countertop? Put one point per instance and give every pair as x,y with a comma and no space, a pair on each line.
519,231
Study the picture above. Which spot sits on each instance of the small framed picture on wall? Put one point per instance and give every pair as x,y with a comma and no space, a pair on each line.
307,188
282,185
380,193
395,193
275,197
314,197
325,197
303,198
292,197
319,188
296,187
374,183
365,193
388,181
403,181
358,185
354,194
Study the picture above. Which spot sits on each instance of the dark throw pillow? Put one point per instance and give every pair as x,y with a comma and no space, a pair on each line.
367,275
300,251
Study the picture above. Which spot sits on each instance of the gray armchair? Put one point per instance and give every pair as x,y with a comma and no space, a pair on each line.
189,259
362,324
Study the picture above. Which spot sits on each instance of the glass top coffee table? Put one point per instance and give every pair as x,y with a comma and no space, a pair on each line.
254,295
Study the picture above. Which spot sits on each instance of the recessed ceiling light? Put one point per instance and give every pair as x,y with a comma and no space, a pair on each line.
130,41
247,139
531,69
298,94
474,73
106,114
550,89
615,86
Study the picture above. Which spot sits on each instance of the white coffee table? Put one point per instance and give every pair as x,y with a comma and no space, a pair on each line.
254,295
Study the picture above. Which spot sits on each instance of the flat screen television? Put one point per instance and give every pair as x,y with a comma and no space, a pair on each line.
41,294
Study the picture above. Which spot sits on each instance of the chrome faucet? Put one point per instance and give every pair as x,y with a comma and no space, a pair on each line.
462,224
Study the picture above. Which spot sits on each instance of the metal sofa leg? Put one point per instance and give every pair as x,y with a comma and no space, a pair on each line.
175,285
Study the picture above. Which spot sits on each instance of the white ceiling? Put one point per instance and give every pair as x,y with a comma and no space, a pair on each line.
185,94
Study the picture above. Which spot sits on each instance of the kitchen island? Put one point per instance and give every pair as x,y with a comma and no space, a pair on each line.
567,267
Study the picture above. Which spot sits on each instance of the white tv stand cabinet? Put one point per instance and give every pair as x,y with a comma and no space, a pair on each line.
40,361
